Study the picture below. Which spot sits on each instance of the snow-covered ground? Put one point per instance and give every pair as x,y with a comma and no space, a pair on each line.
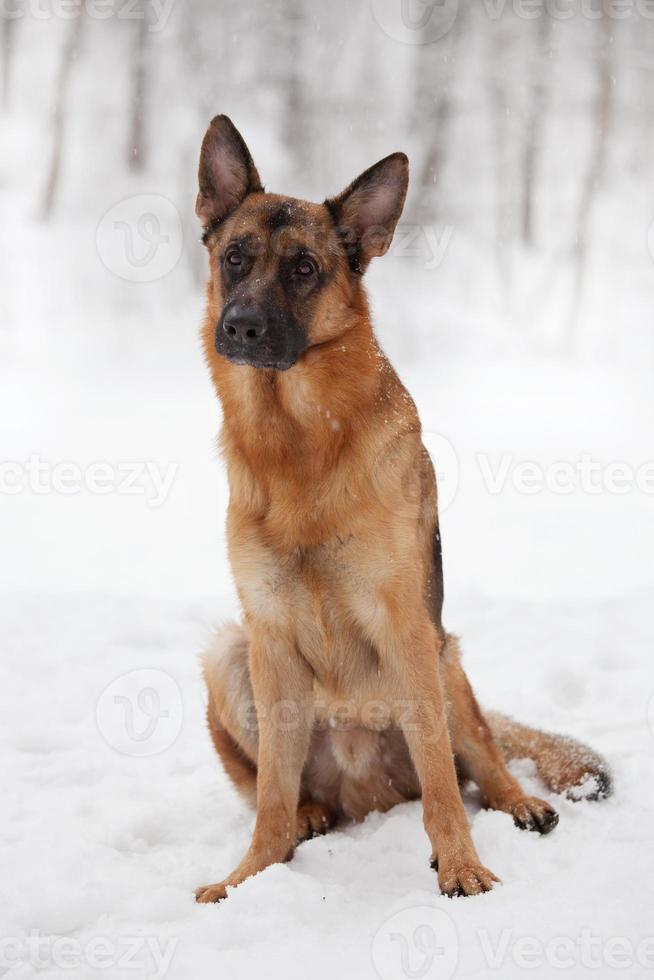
115,809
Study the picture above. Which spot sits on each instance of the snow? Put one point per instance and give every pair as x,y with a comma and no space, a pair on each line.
106,845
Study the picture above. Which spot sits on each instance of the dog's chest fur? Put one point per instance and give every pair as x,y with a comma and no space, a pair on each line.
319,596
326,520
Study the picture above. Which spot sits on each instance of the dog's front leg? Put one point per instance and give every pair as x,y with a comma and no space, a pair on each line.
282,683
414,662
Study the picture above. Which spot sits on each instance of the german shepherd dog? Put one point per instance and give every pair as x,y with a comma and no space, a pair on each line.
341,692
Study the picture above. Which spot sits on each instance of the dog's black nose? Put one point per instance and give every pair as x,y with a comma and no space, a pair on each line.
244,326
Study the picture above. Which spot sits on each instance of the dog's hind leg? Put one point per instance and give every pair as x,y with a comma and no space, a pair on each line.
478,755
231,717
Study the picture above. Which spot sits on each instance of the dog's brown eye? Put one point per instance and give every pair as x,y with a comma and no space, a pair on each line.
234,258
305,268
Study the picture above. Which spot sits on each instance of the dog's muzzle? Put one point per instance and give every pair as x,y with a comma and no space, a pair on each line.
251,335
245,328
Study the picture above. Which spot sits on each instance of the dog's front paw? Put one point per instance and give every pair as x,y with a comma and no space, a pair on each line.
530,813
470,879
211,893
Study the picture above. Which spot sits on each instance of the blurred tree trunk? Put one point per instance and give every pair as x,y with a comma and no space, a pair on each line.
596,165
136,150
8,36
296,129
534,126
641,56
435,78
205,67
68,56
500,107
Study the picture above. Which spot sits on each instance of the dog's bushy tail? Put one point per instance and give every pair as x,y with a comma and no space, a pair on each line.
564,765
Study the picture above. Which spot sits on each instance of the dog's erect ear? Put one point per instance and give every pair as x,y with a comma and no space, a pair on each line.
226,174
367,211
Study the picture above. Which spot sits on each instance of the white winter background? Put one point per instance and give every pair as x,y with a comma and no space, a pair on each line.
517,305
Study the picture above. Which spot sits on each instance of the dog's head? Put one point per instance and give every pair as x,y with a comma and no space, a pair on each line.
284,271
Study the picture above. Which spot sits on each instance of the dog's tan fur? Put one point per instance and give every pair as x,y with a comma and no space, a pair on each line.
341,693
